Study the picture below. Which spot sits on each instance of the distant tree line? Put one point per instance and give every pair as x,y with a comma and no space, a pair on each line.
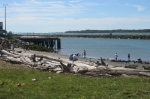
109,31
109,34
94,36
105,36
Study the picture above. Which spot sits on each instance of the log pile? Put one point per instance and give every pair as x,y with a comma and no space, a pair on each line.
41,62
51,64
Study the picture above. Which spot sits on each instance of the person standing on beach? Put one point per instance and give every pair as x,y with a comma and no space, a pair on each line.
84,53
116,56
128,56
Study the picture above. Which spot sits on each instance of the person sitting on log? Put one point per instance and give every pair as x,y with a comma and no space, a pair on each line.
74,57
71,57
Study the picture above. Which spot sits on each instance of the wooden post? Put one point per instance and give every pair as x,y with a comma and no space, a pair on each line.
58,44
43,43
48,44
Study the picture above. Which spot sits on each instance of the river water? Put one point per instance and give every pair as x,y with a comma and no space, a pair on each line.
106,48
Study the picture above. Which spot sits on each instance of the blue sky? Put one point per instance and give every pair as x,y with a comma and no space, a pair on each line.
44,16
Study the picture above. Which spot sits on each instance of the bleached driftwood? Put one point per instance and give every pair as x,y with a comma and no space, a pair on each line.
10,54
79,69
14,60
47,57
65,68
117,72
144,74
26,60
44,62
102,62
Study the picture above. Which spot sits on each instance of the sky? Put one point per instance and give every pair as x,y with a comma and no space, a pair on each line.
46,16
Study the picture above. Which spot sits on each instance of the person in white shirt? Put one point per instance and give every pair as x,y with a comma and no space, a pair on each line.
116,56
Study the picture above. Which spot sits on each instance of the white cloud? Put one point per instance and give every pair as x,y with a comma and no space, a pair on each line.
75,1
15,3
138,7
65,24
94,4
35,2
45,9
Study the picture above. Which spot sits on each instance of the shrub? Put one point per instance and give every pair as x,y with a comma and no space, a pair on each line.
40,48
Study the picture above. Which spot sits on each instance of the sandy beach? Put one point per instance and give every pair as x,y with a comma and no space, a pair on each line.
65,58
80,61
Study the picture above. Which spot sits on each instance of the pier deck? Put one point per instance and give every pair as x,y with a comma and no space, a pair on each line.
49,42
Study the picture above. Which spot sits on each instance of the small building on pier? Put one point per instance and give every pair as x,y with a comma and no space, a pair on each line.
48,42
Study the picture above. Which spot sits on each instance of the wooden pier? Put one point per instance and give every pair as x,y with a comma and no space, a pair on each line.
48,42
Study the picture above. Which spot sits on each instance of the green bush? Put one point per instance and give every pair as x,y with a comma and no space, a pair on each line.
40,48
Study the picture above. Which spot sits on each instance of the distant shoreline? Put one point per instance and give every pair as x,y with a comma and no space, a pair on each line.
134,35
110,31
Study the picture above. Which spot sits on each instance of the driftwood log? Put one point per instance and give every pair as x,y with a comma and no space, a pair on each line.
13,60
46,57
9,54
144,74
102,62
117,72
65,68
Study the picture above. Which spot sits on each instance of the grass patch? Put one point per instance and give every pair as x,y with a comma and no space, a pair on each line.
67,86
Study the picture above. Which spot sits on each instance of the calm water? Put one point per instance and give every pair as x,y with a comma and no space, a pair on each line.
106,48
